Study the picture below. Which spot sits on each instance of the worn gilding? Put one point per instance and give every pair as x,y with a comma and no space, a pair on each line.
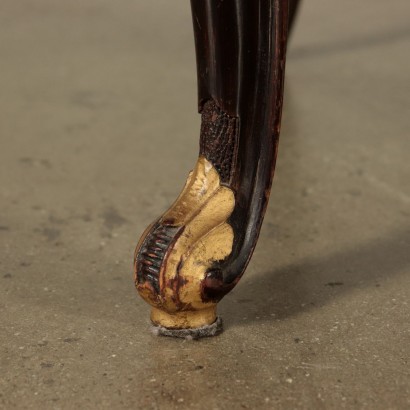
175,253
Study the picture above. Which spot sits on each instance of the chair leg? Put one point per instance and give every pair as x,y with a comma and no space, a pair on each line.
195,253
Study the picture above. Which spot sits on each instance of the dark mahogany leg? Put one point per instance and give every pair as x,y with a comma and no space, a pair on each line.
195,253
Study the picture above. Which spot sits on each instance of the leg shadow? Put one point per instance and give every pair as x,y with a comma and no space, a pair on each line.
314,282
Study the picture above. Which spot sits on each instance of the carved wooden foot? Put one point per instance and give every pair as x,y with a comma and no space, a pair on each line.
195,253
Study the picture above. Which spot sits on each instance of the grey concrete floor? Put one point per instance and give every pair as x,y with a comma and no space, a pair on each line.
98,132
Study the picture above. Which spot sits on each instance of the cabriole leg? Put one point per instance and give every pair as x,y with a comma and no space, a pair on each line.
195,253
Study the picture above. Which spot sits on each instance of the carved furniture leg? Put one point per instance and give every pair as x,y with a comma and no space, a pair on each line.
195,253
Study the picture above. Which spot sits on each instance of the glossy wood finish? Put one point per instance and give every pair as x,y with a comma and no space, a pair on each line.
240,49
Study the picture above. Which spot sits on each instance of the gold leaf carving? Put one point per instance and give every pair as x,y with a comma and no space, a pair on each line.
203,237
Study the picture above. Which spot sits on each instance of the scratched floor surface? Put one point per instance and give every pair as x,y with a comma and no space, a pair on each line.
98,131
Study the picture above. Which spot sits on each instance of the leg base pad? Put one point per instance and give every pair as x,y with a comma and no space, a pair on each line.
213,329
